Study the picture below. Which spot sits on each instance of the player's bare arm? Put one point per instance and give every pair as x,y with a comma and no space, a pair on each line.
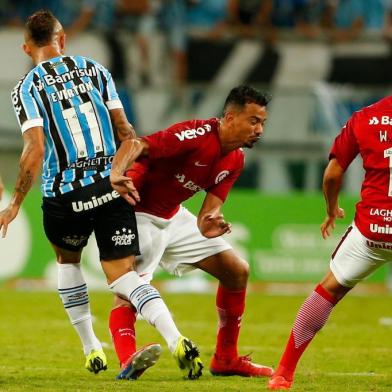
125,156
29,168
120,123
1,188
332,182
210,220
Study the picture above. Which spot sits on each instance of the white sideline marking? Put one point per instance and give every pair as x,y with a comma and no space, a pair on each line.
387,321
364,374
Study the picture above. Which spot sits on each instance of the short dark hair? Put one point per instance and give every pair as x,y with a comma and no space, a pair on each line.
40,27
241,95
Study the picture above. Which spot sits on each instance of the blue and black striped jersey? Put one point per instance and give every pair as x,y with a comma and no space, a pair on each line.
70,97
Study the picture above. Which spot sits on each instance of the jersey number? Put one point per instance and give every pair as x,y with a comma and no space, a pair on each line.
73,121
388,154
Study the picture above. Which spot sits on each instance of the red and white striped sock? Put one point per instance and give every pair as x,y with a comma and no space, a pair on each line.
311,317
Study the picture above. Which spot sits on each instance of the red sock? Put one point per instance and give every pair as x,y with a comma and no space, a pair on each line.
230,305
122,327
311,317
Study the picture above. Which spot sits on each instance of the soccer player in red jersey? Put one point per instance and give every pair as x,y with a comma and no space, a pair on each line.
172,165
367,243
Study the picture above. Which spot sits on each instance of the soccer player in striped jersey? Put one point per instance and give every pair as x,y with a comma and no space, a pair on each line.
72,120
367,243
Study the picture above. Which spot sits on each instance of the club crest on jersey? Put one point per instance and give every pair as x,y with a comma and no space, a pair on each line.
193,133
123,237
223,174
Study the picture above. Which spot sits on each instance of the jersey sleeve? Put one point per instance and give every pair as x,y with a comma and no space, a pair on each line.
173,141
345,147
222,188
25,105
108,87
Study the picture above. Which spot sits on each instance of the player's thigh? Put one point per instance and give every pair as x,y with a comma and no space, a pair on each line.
153,240
354,258
68,233
115,230
187,246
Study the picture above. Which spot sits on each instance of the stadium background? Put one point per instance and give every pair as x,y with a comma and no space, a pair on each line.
316,79
318,71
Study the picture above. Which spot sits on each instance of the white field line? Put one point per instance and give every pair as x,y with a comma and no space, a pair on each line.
354,374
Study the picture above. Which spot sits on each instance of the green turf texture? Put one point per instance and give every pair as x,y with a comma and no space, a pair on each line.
40,351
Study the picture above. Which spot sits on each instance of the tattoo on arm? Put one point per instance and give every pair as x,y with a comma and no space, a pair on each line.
29,168
24,183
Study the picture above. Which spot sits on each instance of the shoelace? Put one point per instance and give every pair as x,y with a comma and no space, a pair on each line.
245,358
246,361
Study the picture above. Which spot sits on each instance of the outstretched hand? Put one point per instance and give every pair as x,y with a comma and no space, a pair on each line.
329,222
6,217
125,187
214,225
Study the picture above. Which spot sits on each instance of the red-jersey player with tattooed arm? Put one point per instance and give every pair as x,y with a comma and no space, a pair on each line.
367,243
172,166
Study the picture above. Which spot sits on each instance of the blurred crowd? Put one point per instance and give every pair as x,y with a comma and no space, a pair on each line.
181,20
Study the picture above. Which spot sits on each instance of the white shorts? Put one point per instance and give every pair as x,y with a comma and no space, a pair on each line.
356,257
174,244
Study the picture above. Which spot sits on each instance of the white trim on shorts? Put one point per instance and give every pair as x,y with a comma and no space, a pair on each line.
174,244
356,257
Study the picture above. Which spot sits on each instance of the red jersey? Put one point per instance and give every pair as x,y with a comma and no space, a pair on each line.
369,133
184,159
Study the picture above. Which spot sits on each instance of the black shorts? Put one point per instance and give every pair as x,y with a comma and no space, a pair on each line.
70,219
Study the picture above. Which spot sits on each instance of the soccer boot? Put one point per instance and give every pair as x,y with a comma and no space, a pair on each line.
139,362
279,383
239,366
96,361
187,357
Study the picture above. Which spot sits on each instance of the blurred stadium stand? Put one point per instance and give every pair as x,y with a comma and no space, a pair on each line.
314,85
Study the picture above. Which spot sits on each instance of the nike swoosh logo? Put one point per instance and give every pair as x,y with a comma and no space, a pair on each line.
197,163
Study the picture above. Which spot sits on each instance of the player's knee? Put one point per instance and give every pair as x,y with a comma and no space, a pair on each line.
243,273
237,279
119,302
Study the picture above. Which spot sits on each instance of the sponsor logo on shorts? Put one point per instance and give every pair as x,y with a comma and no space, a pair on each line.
375,228
379,245
223,174
79,206
123,237
74,240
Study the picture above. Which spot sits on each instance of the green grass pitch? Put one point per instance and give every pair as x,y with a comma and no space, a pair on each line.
39,350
